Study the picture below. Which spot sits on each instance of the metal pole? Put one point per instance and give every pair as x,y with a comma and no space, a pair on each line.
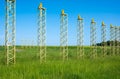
93,39
64,35
80,47
42,33
103,38
10,32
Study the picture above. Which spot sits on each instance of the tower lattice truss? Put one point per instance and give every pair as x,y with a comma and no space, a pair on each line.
42,33
80,47
112,40
64,35
115,40
10,31
93,39
103,39
119,40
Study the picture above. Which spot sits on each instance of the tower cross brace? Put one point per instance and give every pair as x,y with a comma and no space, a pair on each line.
80,47
10,32
42,33
103,38
64,35
93,39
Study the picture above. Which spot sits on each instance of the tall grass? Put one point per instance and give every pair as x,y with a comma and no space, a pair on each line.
29,67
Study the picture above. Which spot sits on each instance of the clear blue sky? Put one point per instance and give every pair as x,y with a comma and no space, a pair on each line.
26,15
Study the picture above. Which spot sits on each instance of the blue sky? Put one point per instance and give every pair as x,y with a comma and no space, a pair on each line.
26,18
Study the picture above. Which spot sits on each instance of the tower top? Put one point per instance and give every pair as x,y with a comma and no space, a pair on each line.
41,7
63,13
103,24
79,17
92,21
111,25
10,0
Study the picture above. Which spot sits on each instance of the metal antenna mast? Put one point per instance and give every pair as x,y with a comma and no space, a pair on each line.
42,33
111,39
10,32
114,41
117,39
112,32
103,38
80,47
93,38
64,35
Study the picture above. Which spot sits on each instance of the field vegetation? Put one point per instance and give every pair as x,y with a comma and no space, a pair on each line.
28,65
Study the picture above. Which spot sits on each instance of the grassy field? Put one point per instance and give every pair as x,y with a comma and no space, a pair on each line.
28,65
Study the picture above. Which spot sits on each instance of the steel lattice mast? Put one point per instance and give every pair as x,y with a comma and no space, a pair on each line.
112,43
117,39
64,35
80,47
103,38
42,33
10,31
93,38
114,40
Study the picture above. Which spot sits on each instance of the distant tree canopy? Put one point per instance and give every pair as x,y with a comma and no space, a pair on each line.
113,43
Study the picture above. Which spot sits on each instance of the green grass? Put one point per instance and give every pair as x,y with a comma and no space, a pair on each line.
28,66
